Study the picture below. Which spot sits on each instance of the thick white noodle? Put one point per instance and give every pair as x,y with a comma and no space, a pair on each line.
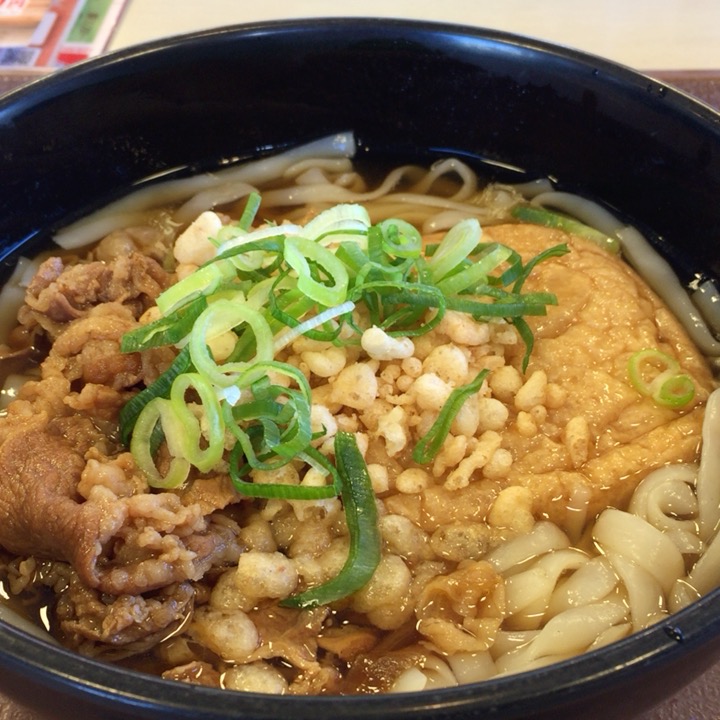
534,586
438,673
331,193
442,220
708,481
565,635
586,211
660,276
689,519
12,294
707,300
704,576
468,187
533,188
312,170
507,641
611,635
646,599
589,584
541,539
472,667
254,172
9,616
208,199
334,194
430,213
11,388
667,499
577,509
633,538
435,673
411,680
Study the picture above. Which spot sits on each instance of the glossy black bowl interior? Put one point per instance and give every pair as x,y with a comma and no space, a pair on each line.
408,90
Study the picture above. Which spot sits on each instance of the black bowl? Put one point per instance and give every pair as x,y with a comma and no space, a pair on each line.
407,89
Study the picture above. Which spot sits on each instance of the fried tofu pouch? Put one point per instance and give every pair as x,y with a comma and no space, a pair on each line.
604,437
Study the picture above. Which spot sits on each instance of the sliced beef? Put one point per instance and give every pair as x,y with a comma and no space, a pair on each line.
119,545
38,477
59,293
115,627
88,350
288,634
71,496
195,672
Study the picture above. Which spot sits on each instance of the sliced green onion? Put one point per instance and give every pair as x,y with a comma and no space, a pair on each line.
266,440
429,445
656,374
333,224
297,434
513,306
189,425
252,205
645,366
250,375
542,216
477,272
292,333
158,411
267,241
159,388
396,299
361,516
288,307
275,424
204,281
675,391
278,490
526,335
352,256
265,288
554,251
298,251
457,244
400,239
166,330
220,317
259,294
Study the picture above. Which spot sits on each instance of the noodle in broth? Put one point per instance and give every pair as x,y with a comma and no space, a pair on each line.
483,571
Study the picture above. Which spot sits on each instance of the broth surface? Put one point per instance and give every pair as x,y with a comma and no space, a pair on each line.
518,543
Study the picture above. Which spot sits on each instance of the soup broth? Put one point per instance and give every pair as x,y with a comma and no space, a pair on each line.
302,429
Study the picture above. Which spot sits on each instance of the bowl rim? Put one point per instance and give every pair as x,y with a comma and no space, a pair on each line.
688,630
66,78
659,645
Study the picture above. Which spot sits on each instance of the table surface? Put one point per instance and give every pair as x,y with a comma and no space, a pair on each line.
644,34
674,40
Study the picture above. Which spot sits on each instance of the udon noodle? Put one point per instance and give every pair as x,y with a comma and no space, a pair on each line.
539,529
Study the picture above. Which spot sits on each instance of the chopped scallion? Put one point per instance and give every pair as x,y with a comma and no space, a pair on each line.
429,445
542,216
166,330
675,391
656,374
361,515
298,251
160,388
228,401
